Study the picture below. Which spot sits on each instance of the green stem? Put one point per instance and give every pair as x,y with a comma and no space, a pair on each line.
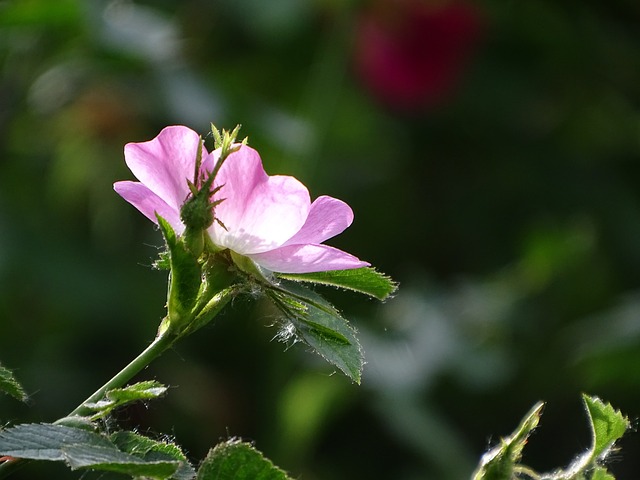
162,342
167,336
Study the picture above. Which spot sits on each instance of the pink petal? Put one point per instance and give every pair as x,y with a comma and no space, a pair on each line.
165,163
306,259
260,212
327,218
149,203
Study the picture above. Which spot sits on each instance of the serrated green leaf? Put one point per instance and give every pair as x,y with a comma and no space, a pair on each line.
135,444
10,386
317,323
363,280
236,460
45,441
301,297
327,333
499,463
110,459
153,450
81,448
607,425
77,421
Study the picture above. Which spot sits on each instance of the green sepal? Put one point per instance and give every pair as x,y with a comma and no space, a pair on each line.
198,288
185,278
218,285
237,460
197,211
10,386
226,139
311,319
210,307
364,280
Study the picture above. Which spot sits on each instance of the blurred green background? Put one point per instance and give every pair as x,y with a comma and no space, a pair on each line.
490,151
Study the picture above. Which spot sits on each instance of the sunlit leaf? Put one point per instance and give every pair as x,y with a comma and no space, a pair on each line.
607,425
10,386
314,321
363,280
236,460
112,460
153,450
500,462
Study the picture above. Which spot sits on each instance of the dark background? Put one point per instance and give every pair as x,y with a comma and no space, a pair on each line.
491,154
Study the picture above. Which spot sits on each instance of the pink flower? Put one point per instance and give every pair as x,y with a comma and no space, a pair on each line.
269,219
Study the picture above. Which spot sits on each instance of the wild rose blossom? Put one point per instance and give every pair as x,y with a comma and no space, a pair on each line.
269,219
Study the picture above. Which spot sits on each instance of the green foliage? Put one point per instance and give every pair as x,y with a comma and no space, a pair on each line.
607,426
365,280
66,13
601,473
108,459
500,462
10,386
83,449
236,460
153,450
118,397
311,319
541,135
45,441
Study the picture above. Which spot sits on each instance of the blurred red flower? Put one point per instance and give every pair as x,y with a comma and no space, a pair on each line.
410,53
